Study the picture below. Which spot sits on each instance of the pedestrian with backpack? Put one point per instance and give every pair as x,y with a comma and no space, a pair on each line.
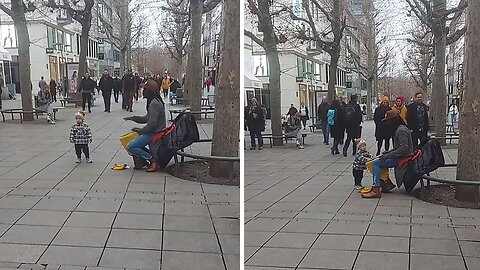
336,121
353,120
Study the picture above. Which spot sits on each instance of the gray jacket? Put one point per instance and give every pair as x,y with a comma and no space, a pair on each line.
402,144
154,120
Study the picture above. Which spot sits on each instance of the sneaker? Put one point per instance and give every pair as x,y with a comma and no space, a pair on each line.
79,160
253,148
88,160
358,187
52,122
301,147
260,148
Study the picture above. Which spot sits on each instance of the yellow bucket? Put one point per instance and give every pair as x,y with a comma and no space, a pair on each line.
127,138
383,171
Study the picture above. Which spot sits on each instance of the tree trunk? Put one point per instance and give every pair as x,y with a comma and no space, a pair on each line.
82,59
18,16
270,42
195,56
332,74
226,128
469,144
438,114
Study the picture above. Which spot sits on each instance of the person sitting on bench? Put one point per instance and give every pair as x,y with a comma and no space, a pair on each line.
294,128
45,101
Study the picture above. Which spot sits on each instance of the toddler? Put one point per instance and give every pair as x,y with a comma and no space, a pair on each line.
81,136
361,157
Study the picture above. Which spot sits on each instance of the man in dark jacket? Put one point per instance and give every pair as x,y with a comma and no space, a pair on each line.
322,117
106,84
417,116
87,88
128,86
353,119
255,123
138,82
117,88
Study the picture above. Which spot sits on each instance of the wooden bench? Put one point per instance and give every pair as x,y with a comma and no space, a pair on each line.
270,137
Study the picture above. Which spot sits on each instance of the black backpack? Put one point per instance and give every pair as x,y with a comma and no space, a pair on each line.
350,113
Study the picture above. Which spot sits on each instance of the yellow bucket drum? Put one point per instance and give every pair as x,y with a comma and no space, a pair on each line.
127,138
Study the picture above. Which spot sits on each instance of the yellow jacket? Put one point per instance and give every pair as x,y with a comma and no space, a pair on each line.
402,111
166,83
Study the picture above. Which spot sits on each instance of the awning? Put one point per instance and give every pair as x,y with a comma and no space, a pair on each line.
5,55
251,81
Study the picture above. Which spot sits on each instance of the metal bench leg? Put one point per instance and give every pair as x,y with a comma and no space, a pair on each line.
271,142
3,116
230,173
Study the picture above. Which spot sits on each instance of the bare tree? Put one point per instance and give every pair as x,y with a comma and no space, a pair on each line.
263,11
17,13
226,128
329,39
468,159
435,15
174,32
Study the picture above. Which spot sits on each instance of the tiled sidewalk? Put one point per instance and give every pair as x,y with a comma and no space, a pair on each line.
55,214
301,212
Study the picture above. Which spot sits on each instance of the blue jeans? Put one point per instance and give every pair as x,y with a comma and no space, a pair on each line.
377,165
326,131
137,147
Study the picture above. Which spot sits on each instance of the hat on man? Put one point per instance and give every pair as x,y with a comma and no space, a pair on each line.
151,85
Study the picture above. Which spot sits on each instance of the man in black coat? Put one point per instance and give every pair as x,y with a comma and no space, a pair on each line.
417,117
106,84
353,119
87,88
255,123
117,88
322,117
128,86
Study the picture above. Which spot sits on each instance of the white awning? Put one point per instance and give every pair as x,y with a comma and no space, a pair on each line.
251,81
5,55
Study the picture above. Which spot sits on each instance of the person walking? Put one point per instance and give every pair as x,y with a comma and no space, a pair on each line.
155,122
336,120
353,120
255,123
106,84
128,86
42,83
81,137
418,119
87,88
322,117
382,131
453,111
138,82
304,114
166,82
400,108
117,88
292,110
53,89
402,147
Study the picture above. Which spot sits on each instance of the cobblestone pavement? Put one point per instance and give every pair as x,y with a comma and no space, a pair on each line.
55,214
301,212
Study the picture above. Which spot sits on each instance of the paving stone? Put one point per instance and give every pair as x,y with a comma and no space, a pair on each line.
277,257
21,253
183,209
347,227
291,240
96,205
81,237
188,223
140,239
389,261
57,204
256,239
232,262
336,241
329,259
436,262
133,207
389,230
265,224
382,243
226,226
35,235
131,258
10,216
190,241
305,226
46,218
434,232
435,246
190,260
469,234
18,202
138,221
472,263
470,249
230,244
90,219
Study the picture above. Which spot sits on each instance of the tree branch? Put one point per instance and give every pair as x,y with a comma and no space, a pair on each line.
254,38
6,9
456,35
